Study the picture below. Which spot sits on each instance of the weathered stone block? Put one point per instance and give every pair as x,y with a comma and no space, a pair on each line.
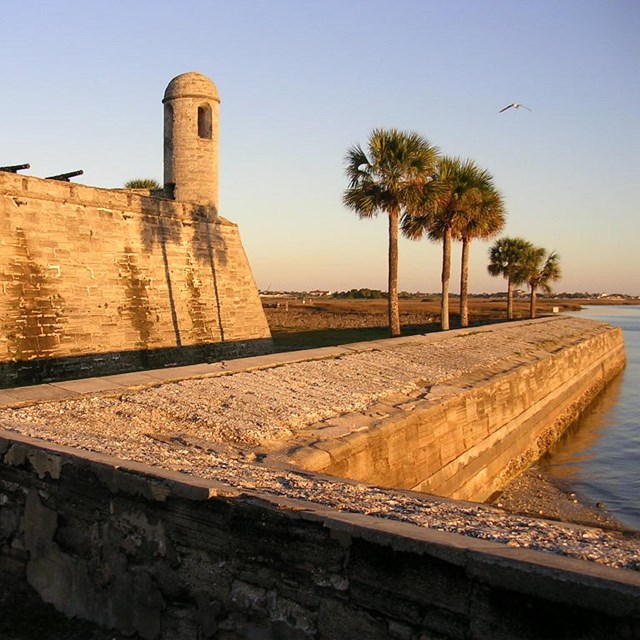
338,621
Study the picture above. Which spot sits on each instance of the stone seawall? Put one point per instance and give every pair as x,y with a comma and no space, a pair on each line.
456,414
467,437
96,281
168,556
171,510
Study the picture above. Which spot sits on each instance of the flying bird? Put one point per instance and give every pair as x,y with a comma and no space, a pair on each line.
515,105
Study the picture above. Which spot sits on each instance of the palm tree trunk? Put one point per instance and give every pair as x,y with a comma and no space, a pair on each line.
509,300
464,284
394,309
532,302
446,272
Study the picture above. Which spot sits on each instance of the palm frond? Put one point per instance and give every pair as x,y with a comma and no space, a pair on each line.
414,227
543,269
389,175
508,257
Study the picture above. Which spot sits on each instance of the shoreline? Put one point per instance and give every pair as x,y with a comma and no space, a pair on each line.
536,494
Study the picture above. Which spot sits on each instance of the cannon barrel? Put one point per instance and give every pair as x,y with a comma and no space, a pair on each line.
64,177
14,168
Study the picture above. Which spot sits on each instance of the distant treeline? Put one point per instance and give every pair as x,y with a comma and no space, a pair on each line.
374,294
594,296
367,294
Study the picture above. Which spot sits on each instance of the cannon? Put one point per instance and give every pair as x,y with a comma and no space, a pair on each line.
14,168
64,177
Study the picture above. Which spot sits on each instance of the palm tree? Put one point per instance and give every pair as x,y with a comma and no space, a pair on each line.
483,219
506,258
388,178
541,269
445,201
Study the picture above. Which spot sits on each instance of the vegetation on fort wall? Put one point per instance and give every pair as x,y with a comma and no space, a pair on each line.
142,183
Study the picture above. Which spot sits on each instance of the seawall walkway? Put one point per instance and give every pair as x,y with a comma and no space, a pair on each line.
242,423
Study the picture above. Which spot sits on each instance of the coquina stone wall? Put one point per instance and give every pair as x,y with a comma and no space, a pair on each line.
470,436
98,280
168,556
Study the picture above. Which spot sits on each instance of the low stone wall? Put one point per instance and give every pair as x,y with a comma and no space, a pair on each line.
468,437
96,281
168,556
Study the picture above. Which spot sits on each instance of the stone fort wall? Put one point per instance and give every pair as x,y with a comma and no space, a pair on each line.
173,557
471,435
99,280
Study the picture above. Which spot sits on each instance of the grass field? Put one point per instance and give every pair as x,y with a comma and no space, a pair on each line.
313,322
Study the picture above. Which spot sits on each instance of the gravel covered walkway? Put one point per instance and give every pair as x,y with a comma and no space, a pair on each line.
216,427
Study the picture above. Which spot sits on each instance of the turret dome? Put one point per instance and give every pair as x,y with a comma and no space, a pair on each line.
191,85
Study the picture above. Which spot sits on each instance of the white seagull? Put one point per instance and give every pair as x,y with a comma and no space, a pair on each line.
515,105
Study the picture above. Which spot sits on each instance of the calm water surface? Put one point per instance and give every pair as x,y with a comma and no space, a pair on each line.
600,459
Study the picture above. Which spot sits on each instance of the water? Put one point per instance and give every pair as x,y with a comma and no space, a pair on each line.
600,459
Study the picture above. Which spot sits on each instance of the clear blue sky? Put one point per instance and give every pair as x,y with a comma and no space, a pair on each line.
301,81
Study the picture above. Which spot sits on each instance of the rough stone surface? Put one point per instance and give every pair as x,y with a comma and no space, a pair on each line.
156,511
223,427
457,416
97,280
191,139
242,565
106,280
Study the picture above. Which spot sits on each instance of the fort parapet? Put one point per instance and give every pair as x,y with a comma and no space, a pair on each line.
105,280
